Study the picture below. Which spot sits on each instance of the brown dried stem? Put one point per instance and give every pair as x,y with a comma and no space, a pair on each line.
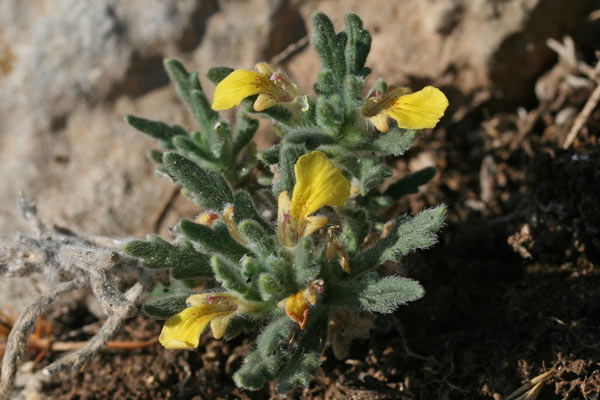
73,262
19,334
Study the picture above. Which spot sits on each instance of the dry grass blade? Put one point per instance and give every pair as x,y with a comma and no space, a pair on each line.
531,389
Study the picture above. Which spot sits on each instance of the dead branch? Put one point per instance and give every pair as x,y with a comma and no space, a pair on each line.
19,334
72,262
583,116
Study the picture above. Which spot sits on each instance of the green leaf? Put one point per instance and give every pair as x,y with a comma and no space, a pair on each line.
156,129
287,159
245,128
304,362
375,295
230,275
258,239
270,288
183,258
275,335
329,46
410,183
187,147
217,74
284,270
219,139
208,189
371,257
189,89
326,85
237,325
155,155
247,162
212,241
387,294
305,270
166,306
329,116
408,234
354,229
270,155
244,209
358,46
419,232
265,358
372,174
252,267
298,371
276,113
396,141
352,95
311,136
256,370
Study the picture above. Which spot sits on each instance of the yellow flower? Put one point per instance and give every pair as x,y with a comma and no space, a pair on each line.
318,183
182,331
296,305
272,87
419,110
207,218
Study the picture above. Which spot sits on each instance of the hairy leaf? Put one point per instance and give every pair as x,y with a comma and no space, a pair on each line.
288,156
258,240
396,141
375,295
208,188
230,275
189,89
156,129
329,46
213,241
166,306
183,258
217,74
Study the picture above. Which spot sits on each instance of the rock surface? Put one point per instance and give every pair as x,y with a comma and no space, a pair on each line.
72,69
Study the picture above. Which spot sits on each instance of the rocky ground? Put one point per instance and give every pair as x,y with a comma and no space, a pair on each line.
512,286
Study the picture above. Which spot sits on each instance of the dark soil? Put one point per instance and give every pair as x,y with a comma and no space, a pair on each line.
513,287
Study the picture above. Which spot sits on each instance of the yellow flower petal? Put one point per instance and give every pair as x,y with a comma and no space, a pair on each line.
318,183
218,325
313,224
182,331
264,101
380,121
286,232
419,110
296,307
237,86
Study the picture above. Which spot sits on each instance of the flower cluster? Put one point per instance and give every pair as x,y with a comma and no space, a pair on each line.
292,271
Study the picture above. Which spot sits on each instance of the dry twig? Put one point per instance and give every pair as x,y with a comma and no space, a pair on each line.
73,262
568,55
583,116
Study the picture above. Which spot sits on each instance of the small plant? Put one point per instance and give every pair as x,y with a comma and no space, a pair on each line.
303,270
